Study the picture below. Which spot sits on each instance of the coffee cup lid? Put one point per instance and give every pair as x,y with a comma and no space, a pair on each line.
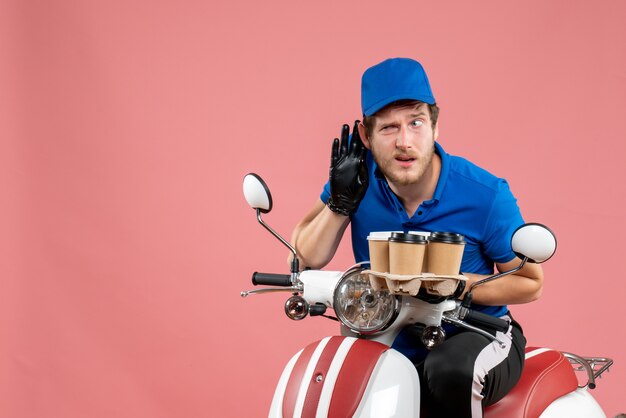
422,233
379,235
447,237
408,238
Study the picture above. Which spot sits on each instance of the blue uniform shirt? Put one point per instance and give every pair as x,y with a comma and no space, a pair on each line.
468,200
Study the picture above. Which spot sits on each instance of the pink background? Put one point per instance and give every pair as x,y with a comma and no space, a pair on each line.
126,128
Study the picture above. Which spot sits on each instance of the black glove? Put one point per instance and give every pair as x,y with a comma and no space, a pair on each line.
348,172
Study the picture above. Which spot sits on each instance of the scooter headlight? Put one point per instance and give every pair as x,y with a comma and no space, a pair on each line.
361,308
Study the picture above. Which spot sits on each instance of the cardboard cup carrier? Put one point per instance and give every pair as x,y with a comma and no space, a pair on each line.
405,262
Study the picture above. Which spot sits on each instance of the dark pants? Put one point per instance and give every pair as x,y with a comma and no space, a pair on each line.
470,371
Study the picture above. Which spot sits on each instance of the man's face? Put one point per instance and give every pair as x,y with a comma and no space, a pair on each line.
402,143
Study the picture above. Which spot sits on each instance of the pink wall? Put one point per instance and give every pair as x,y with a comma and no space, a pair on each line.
126,128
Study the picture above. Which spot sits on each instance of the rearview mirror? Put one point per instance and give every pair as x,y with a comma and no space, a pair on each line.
257,193
258,196
534,241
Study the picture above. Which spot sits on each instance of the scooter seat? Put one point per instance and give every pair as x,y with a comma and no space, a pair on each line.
547,375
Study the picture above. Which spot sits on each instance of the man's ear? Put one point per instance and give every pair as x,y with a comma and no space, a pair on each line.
436,131
363,136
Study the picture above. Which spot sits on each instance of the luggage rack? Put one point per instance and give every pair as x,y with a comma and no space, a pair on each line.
593,366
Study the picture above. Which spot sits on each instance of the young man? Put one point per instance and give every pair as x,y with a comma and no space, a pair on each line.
394,176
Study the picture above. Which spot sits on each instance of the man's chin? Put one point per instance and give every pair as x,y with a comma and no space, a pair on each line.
403,179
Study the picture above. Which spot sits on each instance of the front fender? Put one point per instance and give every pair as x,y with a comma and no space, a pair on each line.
347,377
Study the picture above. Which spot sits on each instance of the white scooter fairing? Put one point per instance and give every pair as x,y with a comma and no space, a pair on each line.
347,377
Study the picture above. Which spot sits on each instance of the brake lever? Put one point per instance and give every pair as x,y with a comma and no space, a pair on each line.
290,289
451,319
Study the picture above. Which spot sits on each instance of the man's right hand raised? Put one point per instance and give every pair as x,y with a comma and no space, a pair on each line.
348,172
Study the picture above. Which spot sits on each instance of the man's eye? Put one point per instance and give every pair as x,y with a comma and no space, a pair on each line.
417,123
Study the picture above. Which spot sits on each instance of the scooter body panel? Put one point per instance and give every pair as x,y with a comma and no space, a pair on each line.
347,377
393,389
577,404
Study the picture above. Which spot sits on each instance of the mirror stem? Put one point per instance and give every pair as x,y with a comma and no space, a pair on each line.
295,268
467,299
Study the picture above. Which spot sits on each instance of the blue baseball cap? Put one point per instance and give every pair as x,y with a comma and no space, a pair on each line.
392,80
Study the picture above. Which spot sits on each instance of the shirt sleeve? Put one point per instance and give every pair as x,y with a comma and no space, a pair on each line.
504,218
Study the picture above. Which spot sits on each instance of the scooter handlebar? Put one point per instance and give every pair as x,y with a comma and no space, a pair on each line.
271,279
483,320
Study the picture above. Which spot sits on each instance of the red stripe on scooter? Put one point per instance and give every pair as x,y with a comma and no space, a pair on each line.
354,377
312,399
295,379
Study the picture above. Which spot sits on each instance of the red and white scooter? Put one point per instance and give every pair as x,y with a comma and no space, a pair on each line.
358,374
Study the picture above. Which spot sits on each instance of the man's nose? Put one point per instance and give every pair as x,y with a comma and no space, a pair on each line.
402,140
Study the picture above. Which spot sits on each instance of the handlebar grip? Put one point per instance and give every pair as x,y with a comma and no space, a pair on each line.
271,279
483,320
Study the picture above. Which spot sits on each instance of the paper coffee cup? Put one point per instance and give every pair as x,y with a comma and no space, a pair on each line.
445,253
406,253
378,243
426,235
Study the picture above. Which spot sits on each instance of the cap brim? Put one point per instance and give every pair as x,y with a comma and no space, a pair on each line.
376,107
